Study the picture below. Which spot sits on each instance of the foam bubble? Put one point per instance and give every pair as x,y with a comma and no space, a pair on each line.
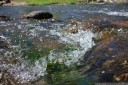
115,13
22,70
82,39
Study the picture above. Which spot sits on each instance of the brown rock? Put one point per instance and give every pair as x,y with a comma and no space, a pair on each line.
2,17
7,79
121,24
108,60
123,77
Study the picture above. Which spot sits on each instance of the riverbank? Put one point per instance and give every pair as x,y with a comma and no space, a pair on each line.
33,2
49,2
41,2
14,3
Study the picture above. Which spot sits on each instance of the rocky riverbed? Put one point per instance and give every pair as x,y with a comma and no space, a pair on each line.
81,44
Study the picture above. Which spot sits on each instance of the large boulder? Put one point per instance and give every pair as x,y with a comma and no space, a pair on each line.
38,15
108,60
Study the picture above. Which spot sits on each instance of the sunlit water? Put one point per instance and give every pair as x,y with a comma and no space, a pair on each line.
24,38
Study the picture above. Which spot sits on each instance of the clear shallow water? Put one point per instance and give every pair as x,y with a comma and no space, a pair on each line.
31,45
19,44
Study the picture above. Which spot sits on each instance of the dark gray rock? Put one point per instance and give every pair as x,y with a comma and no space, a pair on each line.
39,15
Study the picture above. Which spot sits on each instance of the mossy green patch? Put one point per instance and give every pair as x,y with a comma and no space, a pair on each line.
55,67
44,2
67,77
33,54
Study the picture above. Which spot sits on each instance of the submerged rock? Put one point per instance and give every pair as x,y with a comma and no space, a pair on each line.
7,79
5,18
121,24
38,15
2,17
3,44
108,61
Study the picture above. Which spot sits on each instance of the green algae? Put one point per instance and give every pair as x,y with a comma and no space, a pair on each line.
33,54
60,73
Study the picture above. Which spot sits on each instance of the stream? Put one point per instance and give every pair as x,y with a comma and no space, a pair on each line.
50,52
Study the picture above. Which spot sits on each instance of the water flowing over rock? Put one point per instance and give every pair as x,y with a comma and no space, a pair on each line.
6,79
107,62
39,15
49,52
3,42
120,24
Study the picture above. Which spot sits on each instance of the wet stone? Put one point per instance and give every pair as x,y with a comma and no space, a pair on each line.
38,15
2,17
3,44
100,58
121,24
123,77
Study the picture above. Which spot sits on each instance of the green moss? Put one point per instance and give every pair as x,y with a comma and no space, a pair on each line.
67,77
33,54
55,67
59,73
46,2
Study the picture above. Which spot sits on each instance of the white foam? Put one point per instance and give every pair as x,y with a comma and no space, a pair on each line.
22,70
25,71
106,11
82,39
118,13
115,13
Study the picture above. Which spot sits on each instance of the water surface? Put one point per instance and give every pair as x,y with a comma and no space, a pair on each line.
49,50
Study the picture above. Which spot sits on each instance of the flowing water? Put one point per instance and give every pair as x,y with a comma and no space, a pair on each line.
48,50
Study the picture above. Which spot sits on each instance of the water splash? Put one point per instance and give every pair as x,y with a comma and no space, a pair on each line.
22,70
116,13
82,40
